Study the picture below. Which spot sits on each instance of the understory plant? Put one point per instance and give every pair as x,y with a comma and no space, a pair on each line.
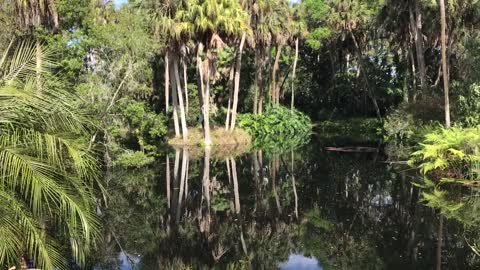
277,128
450,155
276,123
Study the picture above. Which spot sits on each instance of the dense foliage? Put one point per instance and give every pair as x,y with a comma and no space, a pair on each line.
130,77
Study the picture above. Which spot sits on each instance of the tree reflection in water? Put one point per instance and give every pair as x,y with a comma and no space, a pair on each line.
254,211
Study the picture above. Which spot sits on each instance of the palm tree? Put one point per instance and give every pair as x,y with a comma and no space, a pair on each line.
47,175
170,28
212,21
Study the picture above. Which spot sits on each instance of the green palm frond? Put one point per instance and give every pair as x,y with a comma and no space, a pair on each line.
46,175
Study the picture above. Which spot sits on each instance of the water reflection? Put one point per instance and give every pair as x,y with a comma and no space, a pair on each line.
261,210
300,262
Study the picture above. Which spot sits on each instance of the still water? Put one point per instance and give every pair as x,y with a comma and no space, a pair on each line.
304,208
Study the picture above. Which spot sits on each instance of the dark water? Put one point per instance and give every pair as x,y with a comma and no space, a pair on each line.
306,208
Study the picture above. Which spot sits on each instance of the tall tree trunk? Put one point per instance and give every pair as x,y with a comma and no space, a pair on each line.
274,92
230,95
173,85
256,82
178,84
238,68
206,108
292,103
414,74
443,22
416,25
167,80
185,85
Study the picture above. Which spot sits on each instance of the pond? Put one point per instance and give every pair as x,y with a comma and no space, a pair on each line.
303,208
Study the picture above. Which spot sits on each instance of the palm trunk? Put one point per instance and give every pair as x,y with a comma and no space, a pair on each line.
238,67
274,92
180,99
256,83
443,21
230,95
185,85
167,81
175,102
293,74
206,102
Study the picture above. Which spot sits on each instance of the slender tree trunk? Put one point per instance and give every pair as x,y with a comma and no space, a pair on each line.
238,68
174,101
183,117
443,22
256,83
292,103
230,95
414,75
206,102
185,85
167,80
274,92
416,25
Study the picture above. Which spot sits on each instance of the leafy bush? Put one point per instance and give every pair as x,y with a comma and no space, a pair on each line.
147,126
403,128
133,159
450,155
276,123
467,106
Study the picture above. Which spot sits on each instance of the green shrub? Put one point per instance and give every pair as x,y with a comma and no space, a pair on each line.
450,155
277,122
467,106
277,129
133,159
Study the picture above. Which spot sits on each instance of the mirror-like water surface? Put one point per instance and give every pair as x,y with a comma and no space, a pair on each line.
307,208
